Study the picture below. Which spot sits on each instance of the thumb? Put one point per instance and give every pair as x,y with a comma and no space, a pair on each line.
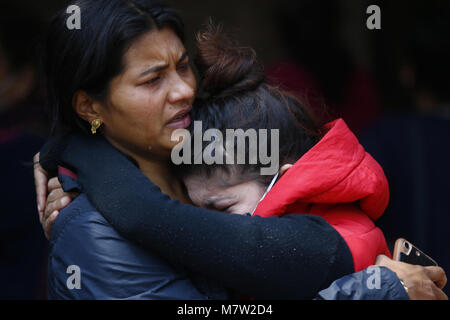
382,260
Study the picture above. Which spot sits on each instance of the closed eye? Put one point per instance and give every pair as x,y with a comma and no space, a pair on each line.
183,66
225,208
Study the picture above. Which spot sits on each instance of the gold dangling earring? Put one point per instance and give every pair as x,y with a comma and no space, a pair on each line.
95,125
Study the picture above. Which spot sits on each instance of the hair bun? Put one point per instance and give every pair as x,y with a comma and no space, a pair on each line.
226,68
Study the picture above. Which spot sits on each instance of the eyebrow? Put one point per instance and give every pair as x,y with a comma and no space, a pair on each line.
161,67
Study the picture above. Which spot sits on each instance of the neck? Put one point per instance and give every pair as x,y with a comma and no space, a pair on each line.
159,172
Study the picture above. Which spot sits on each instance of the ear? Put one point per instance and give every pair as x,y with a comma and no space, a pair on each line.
285,168
86,107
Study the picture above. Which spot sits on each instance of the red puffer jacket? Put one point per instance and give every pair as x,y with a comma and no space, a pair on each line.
340,182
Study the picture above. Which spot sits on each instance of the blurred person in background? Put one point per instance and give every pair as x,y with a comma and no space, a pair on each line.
411,142
321,68
22,244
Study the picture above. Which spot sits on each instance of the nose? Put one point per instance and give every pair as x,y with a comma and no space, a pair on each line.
181,89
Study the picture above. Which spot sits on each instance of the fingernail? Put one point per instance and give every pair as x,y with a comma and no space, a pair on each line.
39,208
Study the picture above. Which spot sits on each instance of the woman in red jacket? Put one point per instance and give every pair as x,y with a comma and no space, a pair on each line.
336,179
324,170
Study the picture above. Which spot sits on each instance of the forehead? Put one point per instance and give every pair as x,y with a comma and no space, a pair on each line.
203,187
156,46
204,183
219,183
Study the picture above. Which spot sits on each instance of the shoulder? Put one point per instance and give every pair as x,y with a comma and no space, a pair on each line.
81,235
108,266
78,217
80,222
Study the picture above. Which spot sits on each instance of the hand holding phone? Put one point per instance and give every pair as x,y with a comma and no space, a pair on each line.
420,282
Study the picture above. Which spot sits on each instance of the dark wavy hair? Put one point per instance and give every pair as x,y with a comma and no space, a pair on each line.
236,95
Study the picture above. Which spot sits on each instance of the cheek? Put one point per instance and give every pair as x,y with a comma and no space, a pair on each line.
194,194
246,206
136,116
252,196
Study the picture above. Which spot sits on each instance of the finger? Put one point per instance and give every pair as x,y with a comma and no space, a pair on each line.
56,194
56,205
382,260
437,275
439,294
53,184
49,208
40,181
51,221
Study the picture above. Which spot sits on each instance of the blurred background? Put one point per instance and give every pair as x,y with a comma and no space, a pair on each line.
391,86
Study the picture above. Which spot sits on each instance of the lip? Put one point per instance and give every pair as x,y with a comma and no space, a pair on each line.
184,122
